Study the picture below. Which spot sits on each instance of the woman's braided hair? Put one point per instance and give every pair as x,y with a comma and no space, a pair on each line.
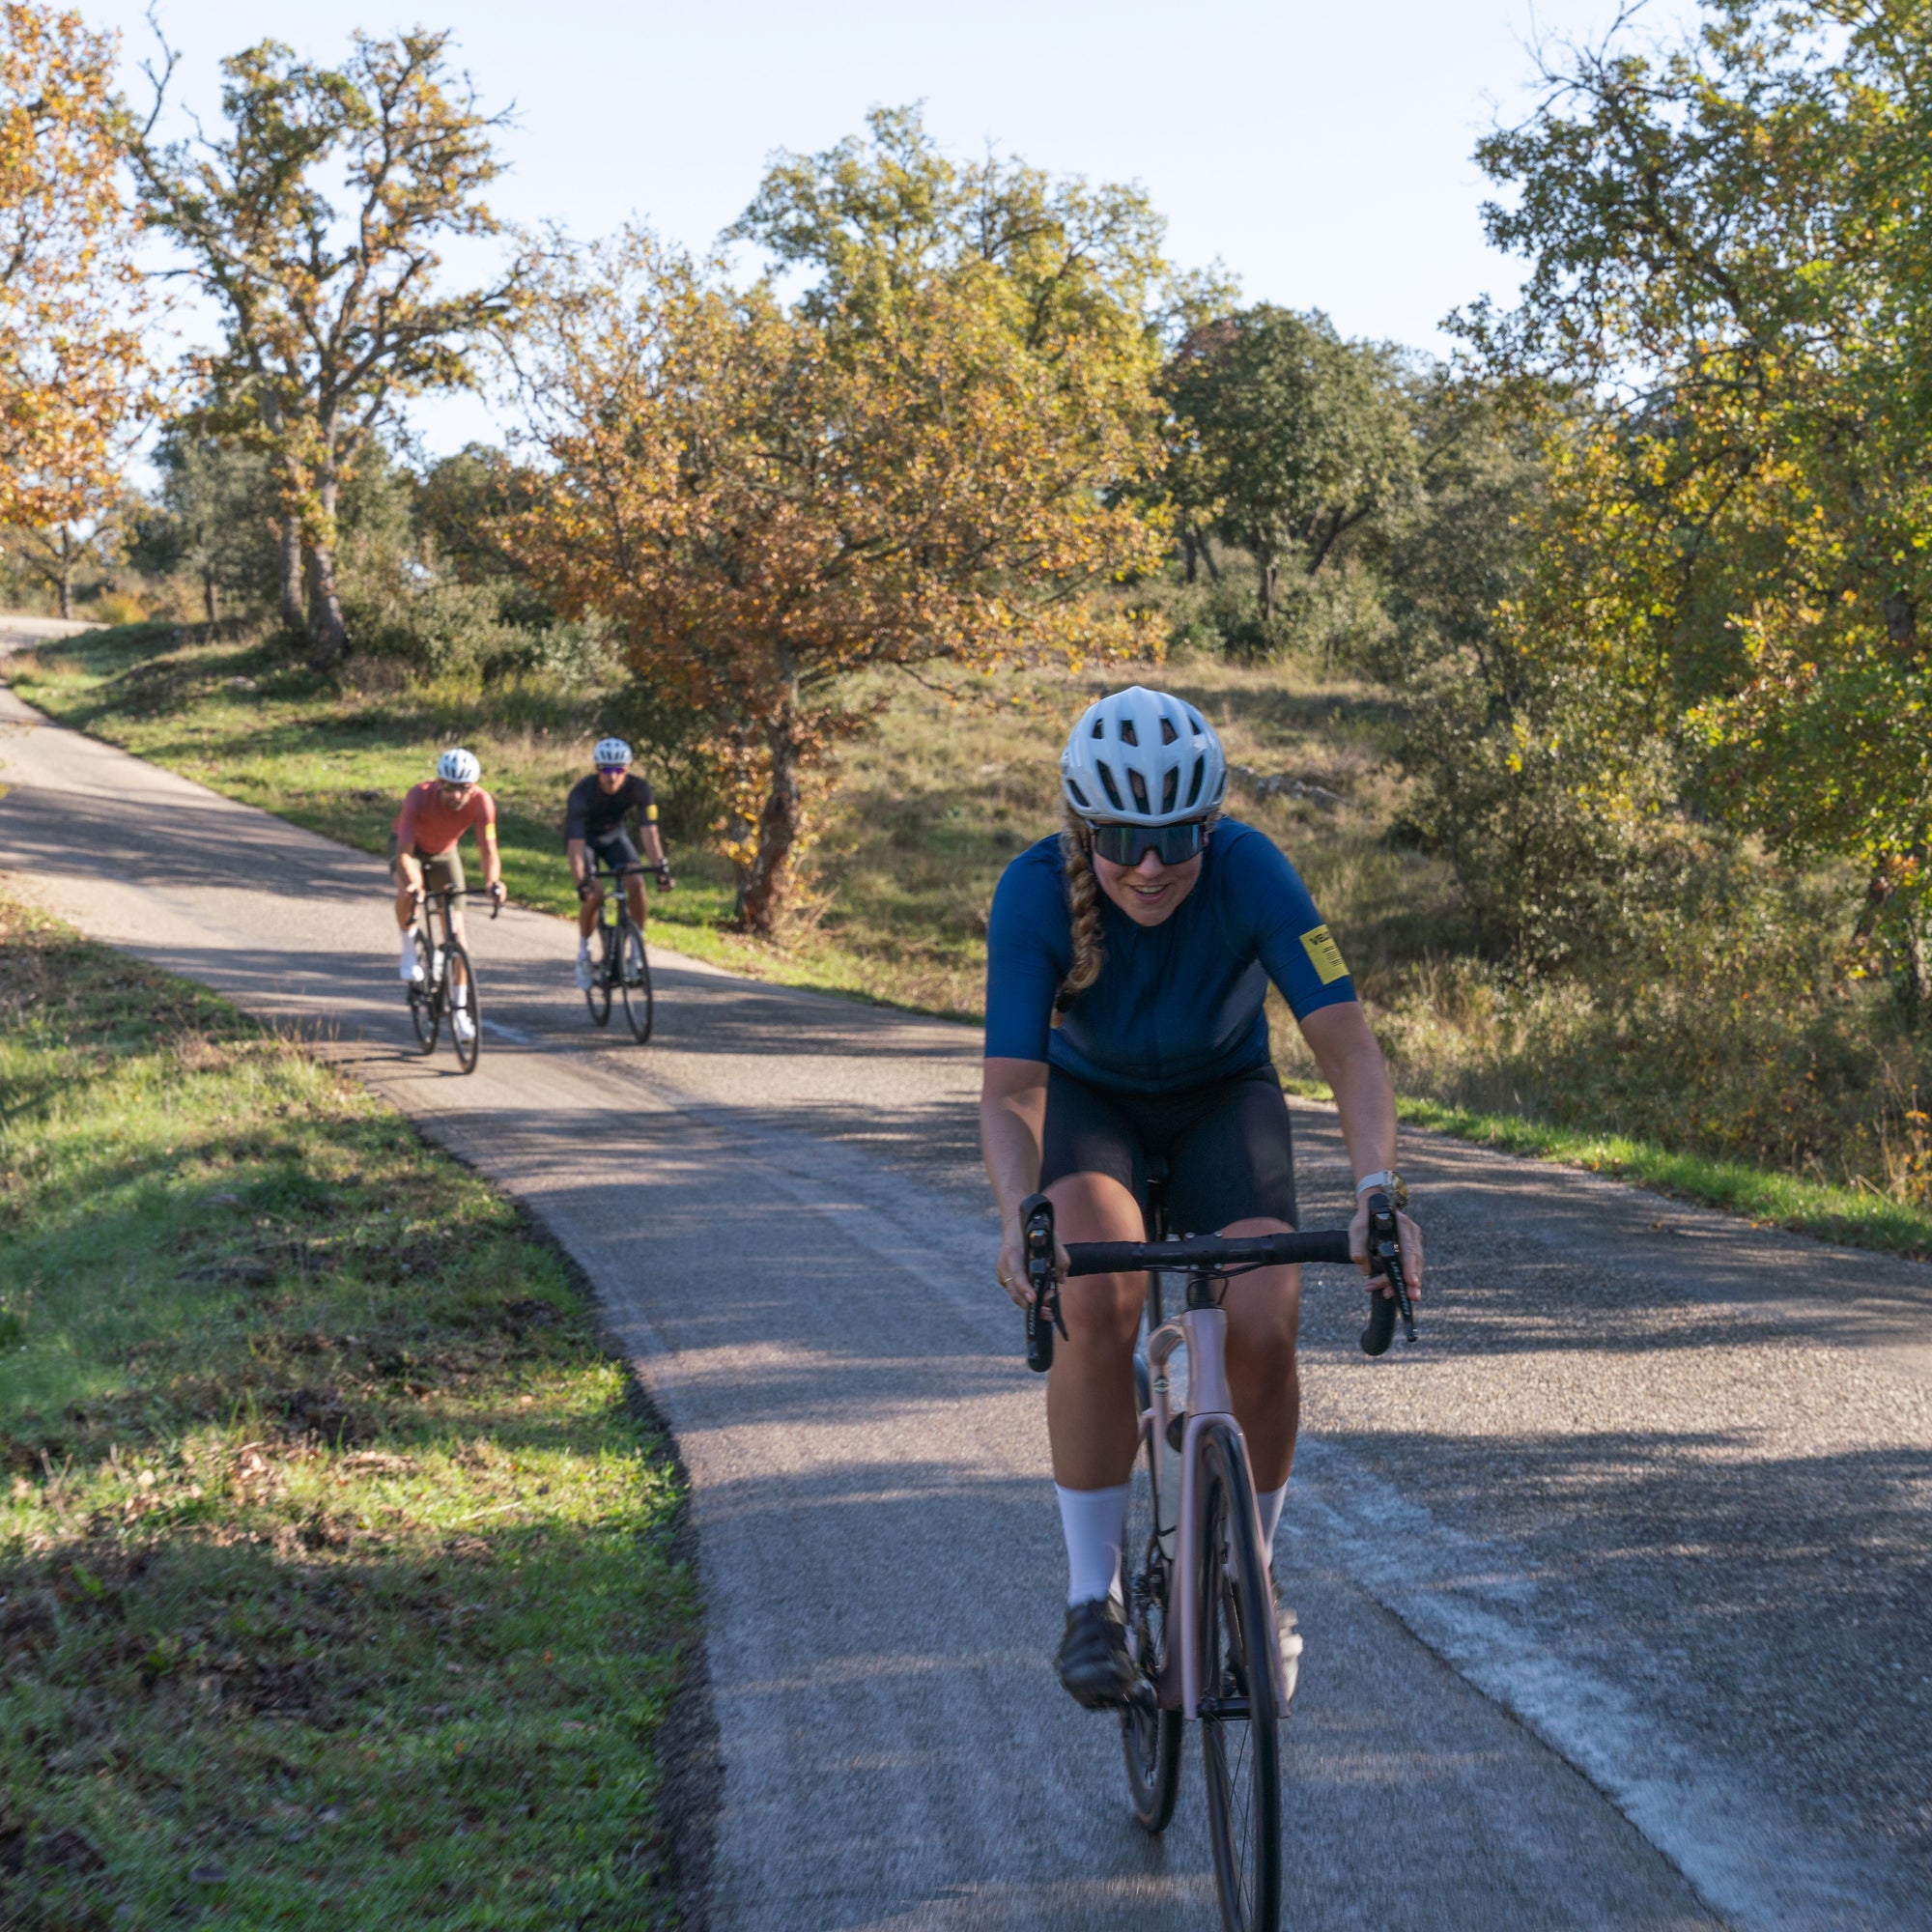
1082,904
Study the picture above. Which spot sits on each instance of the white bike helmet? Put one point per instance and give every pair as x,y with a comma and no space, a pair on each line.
458,767
610,752
1141,757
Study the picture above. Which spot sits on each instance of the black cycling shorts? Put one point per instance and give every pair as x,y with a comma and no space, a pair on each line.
1228,1148
615,853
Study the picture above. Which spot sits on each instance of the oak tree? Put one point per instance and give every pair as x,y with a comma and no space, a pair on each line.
73,374
930,455
314,222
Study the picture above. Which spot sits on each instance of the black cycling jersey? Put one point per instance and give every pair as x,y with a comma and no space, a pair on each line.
592,813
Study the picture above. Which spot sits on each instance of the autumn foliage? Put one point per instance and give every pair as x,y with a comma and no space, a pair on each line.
926,458
71,360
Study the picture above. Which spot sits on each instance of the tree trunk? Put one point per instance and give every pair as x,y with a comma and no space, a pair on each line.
1271,576
1207,558
1190,548
210,601
288,562
66,572
766,883
328,636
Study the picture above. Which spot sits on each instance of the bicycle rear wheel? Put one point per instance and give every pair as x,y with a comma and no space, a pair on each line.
597,995
638,1007
461,984
1239,1742
425,1011
1149,1737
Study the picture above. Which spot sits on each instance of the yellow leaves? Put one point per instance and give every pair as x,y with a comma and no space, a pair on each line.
70,359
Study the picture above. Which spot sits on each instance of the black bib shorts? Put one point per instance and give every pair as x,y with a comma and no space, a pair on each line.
1228,1148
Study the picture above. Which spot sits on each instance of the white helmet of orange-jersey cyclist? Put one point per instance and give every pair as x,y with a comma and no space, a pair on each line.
1142,757
458,767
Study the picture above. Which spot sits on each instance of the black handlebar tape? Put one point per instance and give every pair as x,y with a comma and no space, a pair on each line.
1039,1340
1330,1246
1380,1331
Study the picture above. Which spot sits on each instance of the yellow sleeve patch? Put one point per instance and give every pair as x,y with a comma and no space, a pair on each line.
490,833
1324,955
650,814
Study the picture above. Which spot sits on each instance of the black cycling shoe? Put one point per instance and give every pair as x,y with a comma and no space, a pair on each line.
1094,1664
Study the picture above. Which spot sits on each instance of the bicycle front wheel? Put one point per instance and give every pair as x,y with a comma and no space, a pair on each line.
425,1014
597,995
1149,1736
1239,1741
460,984
637,983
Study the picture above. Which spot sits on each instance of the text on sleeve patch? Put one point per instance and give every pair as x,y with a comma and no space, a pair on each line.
1324,955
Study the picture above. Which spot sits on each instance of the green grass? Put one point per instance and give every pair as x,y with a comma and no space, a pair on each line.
337,1582
1858,1217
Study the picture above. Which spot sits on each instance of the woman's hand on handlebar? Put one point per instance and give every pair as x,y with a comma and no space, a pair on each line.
1411,1238
1011,1269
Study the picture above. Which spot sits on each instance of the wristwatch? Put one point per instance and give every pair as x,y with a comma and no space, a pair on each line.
1389,1182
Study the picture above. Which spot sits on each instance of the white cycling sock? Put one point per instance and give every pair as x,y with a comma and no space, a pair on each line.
459,997
584,946
1271,1502
1093,1522
409,945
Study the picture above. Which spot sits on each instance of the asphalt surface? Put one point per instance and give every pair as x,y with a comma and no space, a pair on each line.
1616,1588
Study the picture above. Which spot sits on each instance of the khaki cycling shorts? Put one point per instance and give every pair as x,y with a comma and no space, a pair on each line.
442,871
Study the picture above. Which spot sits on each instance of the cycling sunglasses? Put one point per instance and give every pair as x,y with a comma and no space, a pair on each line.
612,771
1170,844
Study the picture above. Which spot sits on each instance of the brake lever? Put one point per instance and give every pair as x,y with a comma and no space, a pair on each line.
1042,1316
1385,1264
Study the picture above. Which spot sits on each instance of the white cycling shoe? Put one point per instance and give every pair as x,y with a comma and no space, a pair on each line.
1291,1646
410,971
466,1027
584,973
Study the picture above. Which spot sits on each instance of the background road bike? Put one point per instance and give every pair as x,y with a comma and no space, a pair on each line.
446,980
621,965
1200,1606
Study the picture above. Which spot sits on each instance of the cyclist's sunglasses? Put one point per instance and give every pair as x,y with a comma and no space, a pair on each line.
1170,844
612,771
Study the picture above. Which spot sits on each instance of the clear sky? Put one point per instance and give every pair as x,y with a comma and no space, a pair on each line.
1320,148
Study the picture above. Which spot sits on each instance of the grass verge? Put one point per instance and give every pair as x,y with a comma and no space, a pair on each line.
336,1579
1860,1219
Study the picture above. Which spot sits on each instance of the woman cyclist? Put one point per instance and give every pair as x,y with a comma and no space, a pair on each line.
1128,959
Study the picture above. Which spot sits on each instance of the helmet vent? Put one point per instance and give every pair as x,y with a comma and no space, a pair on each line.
1168,734
1169,790
1128,735
1139,785
1100,728
1200,773
1113,791
1079,797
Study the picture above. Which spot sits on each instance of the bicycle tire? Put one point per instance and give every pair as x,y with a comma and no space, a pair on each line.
457,971
1240,1757
634,981
425,1006
597,995
1149,1736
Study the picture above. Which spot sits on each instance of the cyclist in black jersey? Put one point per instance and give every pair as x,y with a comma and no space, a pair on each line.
595,838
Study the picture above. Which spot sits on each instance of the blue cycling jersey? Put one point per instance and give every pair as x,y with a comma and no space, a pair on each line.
1177,1004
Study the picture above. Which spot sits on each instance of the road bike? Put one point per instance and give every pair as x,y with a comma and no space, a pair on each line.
622,965
445,981
1199,1604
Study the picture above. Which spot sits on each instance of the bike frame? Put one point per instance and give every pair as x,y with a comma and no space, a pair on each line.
1201,1330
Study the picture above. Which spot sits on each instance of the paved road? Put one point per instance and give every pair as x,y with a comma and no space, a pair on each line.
1616,1591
